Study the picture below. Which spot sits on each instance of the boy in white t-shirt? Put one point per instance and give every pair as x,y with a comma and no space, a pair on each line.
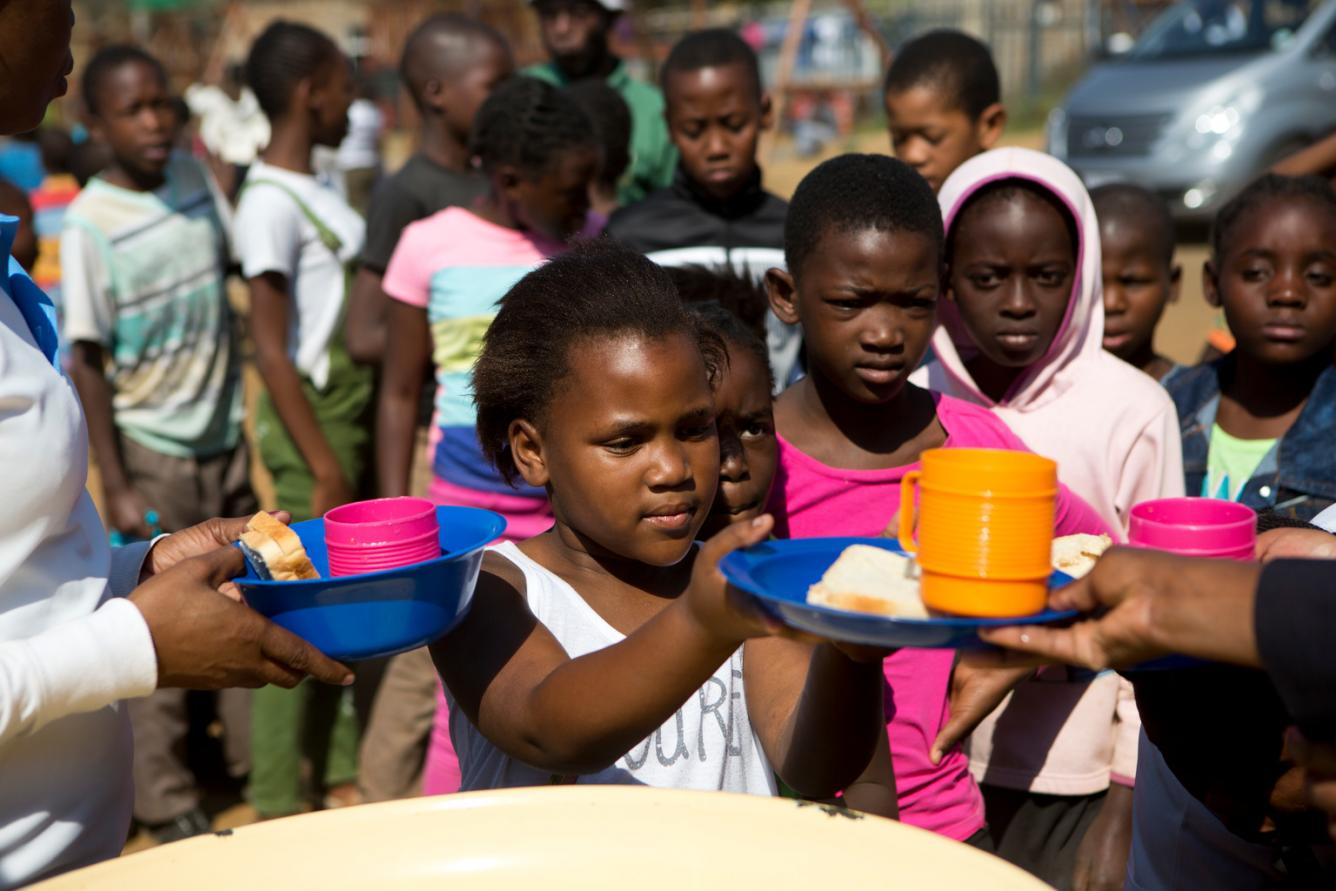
296,238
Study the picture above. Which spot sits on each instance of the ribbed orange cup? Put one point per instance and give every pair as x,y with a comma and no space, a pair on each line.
985,529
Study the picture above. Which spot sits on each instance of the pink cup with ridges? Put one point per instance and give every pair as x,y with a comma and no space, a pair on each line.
384,533
1195,527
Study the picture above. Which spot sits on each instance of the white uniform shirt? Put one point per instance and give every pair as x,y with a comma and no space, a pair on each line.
68,650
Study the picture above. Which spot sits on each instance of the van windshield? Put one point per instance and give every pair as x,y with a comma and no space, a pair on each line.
1221,27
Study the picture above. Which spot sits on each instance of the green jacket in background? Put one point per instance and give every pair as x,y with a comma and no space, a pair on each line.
653,156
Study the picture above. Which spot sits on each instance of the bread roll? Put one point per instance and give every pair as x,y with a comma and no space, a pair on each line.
1076,555
867,579
275,550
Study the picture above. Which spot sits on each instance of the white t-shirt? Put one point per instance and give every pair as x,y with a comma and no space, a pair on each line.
708,745
68,649
272,234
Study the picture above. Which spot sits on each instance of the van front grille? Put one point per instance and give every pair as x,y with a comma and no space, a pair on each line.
1118,135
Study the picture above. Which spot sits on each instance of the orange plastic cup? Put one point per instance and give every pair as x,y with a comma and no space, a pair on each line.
985,530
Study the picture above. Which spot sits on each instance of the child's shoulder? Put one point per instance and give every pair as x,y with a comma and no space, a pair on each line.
1124,387
658,202
1193,376
185,170
450,232
1189,388
969,425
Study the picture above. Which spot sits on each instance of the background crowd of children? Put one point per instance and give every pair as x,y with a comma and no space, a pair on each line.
719,357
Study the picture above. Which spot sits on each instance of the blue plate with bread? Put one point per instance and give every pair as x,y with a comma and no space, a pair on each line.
374,614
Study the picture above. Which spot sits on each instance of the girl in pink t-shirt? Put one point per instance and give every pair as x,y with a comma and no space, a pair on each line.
863,244
445,279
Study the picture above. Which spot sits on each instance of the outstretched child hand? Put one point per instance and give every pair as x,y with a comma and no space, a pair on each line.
720,609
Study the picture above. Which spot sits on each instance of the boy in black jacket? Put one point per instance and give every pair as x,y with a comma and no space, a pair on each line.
715,213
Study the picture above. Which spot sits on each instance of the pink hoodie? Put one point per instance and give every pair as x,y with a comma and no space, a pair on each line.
1112,429
1114,433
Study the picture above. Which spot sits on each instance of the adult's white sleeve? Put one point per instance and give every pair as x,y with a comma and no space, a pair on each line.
80,666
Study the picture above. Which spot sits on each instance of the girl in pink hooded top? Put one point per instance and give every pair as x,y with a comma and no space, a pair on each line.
1020,334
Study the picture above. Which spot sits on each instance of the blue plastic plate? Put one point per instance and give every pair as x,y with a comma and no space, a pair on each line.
778,573
379,613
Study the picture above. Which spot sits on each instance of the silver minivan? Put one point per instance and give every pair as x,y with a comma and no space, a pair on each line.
1211,94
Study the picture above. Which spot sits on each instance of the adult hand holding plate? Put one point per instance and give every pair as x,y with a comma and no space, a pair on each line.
207,641
1141,605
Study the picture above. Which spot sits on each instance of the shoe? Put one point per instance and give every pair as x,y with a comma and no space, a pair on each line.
342,795
193,822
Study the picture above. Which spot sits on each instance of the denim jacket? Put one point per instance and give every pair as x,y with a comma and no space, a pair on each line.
1297,478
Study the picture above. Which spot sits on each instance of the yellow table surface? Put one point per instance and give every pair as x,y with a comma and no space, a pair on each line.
582,837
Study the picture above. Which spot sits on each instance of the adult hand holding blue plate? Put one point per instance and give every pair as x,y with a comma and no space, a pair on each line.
375,614
780,573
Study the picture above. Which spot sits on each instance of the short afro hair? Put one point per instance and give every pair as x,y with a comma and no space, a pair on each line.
712,48
1141,208
595,291
1261,191
107,60
442,44
854,192
957,66
285,54
529,123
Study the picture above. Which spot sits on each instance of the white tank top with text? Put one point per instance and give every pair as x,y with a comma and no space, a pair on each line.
707,745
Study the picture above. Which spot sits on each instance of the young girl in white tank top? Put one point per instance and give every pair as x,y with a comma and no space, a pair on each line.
610,649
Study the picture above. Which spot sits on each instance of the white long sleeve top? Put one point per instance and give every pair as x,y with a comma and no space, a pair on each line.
70,648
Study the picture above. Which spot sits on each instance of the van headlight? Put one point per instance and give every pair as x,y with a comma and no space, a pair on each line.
1056,129
1223,124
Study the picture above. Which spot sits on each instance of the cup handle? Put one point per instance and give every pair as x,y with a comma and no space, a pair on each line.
908,488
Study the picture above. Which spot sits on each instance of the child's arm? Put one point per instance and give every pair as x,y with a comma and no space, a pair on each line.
126,509
270,317
1073,515
1318,158
874,791
816,710
576,716
90,325
365,332
401,378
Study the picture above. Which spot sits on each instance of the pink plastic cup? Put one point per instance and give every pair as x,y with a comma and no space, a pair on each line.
1195,527
385,533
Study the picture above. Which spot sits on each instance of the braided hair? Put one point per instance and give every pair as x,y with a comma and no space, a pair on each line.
529,123
735,333
1263,190
611,117
283,56
594,291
